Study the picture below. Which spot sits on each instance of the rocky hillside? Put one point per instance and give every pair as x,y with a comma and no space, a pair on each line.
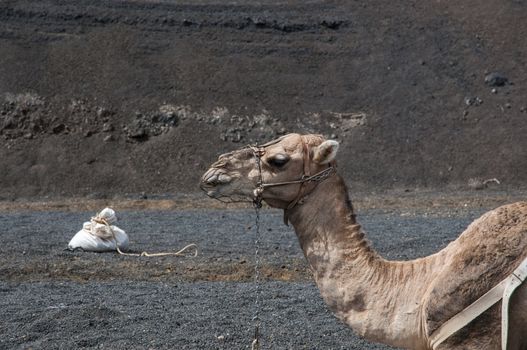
120,98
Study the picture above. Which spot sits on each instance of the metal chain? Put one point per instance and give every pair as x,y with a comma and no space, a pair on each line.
256,318
259,151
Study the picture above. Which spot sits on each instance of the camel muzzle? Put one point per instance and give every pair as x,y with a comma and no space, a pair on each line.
212,179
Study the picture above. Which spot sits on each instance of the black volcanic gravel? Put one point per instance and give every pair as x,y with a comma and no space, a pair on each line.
55,299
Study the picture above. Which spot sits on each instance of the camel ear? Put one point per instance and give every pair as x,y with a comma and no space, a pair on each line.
325,152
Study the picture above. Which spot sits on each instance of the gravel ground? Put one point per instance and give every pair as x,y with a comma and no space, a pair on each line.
53,298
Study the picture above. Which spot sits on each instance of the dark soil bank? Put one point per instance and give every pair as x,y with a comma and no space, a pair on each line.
56,299
113,97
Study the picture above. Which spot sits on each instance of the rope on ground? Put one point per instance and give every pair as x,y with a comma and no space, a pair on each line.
180,252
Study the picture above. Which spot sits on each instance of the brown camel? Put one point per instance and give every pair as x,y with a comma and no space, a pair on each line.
399,303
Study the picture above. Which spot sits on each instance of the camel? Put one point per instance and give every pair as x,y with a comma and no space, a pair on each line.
398,303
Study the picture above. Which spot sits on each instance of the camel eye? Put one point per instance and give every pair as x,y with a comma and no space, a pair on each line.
278,161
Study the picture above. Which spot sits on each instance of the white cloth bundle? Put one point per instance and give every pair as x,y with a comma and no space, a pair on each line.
96,236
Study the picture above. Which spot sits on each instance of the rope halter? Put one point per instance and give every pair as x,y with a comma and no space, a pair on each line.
259,151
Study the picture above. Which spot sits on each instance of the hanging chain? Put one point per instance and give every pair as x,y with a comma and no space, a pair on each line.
256,318
258,152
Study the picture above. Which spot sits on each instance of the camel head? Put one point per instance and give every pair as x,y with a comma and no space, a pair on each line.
279,172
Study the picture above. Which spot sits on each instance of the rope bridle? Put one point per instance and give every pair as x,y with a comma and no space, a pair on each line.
259,152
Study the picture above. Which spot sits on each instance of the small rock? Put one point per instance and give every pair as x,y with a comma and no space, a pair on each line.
138,134
57,129
88,133
508,105
479,184
496,79
107,127
331,24
523,109
473,101
494,91
476,184
9,123
28,136
237,137
97,195
166,116
221,337
103,112
34,127
108,138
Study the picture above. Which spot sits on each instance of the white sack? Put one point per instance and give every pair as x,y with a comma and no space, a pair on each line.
95,236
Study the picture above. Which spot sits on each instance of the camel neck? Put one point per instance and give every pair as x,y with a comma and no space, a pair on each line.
326,221
379,299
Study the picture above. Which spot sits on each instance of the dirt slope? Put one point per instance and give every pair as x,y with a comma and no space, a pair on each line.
124,97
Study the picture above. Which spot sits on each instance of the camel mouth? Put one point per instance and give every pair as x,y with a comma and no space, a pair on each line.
212,180
219,185
215,177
